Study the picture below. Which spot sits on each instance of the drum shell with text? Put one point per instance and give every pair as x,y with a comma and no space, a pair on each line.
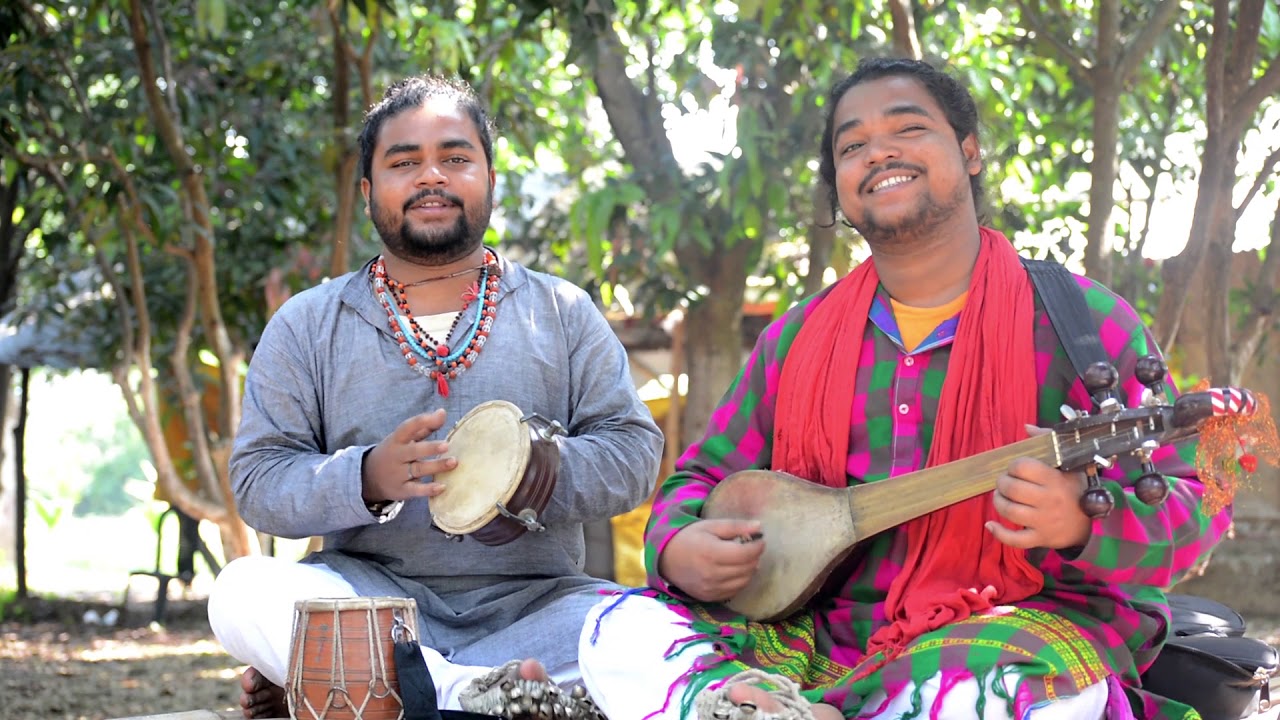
342,660
506,460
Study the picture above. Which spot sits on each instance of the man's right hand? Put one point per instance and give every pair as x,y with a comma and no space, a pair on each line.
709,560
393,469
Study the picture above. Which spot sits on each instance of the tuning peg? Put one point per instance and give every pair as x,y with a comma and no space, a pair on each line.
1151,371
1100,379
1097,501
1151,488
1069,412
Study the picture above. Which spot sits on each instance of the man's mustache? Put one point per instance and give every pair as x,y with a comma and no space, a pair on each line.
431,192
874,178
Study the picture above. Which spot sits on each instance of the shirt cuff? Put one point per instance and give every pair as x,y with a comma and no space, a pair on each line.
385,511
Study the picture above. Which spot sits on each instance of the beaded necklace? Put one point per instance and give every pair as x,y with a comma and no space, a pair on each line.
440,364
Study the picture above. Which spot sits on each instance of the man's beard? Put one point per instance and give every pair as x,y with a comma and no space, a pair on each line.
433,246
926,217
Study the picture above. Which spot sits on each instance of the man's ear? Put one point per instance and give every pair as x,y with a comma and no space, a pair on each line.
365,187
972,154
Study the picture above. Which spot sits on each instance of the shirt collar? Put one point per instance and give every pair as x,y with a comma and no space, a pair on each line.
881,316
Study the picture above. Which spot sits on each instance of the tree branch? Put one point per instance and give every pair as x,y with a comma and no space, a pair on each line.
166,57
1034,19
905,38
1266,86
1268,166
190,502
1244,44
1161,18
170,132
636,119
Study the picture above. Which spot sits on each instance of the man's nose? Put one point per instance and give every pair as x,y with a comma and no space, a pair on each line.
430,173
880,150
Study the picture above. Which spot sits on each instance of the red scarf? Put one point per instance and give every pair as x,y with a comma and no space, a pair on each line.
953,567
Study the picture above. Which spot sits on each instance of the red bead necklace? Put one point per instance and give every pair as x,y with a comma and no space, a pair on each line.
439,363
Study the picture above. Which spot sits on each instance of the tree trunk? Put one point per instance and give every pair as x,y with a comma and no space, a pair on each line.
205,446
1232,97
1218,274
1102,170
714,332
346,156
822,239
20,481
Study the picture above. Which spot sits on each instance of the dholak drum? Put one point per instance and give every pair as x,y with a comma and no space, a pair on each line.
507,464
342,661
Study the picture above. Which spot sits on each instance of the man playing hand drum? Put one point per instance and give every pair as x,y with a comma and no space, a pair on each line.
354,385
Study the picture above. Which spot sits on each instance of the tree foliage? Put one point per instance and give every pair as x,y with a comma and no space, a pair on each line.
166,183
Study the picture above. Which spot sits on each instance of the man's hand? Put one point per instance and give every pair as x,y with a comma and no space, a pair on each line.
392,470
709,560
1045,501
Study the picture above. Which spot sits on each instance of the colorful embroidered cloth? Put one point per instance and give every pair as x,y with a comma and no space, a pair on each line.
1110,592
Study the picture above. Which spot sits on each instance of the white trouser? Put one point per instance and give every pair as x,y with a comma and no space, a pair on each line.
251,613
625,672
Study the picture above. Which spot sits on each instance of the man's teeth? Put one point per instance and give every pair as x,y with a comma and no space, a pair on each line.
890,182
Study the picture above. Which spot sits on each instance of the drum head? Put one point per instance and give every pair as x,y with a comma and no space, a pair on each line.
492,447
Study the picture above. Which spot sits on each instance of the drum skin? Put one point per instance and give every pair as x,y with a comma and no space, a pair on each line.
342,661
502,459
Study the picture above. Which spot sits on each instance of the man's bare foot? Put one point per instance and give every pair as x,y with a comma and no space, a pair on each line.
261,698
754,695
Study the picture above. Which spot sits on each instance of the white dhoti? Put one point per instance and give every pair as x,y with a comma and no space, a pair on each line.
251,610
625,667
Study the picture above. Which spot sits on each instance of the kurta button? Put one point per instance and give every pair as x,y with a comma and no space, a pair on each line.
903,408
909,361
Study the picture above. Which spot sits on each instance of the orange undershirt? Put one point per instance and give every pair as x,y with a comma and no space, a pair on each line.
915,324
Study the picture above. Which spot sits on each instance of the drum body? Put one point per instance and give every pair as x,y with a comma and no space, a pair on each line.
342,661
506,472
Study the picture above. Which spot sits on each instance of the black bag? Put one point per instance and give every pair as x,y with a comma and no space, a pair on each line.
1207,662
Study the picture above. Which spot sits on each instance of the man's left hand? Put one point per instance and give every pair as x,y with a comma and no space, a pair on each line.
1045,501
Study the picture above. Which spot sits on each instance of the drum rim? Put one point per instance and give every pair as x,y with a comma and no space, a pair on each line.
525,452
368,602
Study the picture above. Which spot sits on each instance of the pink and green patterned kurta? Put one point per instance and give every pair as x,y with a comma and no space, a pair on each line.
1102,612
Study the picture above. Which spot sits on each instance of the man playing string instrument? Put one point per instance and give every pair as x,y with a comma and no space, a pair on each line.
351,391
1011,604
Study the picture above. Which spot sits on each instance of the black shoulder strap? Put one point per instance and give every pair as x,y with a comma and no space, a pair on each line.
1064,302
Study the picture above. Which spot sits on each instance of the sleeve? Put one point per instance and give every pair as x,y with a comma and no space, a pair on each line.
739,436
610,455
1139,543
284,482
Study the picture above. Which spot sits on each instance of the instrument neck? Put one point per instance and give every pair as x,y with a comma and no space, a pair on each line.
878,506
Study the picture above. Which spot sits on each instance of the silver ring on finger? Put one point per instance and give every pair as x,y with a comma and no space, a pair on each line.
409,467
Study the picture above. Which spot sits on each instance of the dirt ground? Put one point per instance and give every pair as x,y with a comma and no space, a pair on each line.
54,666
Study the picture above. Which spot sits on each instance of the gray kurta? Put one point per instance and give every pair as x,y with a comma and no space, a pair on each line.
328,382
